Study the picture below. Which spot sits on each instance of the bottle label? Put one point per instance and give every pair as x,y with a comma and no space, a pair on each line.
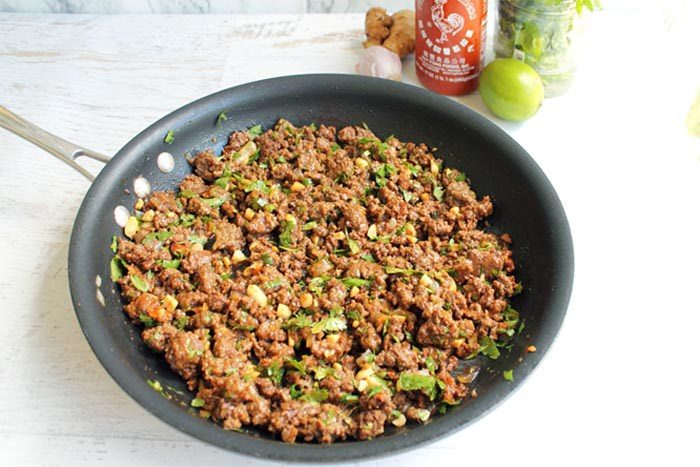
451,34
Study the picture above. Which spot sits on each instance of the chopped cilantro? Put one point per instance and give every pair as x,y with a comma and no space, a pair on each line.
221,118
315,395
116,268
113,245
255,130
508,375
146,320
355,282
332,323
418,382
140,283
197,402
169,137
438,192
488,347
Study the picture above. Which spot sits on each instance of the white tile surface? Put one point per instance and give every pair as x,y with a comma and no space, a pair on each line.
619,386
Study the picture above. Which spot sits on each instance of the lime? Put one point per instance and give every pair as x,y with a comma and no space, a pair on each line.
511,89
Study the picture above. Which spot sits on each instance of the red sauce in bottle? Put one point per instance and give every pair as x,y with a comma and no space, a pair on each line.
450,40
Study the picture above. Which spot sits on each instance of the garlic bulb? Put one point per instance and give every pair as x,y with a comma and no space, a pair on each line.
379,62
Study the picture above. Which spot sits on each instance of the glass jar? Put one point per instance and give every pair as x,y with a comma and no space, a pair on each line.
544,34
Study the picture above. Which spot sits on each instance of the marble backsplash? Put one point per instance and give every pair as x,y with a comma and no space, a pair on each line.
197,6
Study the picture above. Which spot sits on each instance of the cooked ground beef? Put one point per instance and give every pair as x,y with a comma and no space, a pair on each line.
319,284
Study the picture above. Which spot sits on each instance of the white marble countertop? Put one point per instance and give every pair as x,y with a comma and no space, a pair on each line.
619,385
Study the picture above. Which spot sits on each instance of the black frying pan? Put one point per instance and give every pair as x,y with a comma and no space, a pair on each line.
525,205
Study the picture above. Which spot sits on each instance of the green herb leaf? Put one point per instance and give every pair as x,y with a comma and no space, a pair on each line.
255,131
169,137
298,321
353,245
197,402
488,347
146,320
295,392
113,245
430,364
215,202
508,375
349,399
438,192
181,322
195,239
221,118
309,225
418,382
275,283
170,263
368,257
322,372
275,372
257,185
315,395
407,195
157,237
333,323
285,238
140,283
116,270
267,259
317,284
297,365
355,282
395,270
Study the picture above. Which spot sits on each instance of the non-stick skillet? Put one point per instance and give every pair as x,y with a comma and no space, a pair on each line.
525,205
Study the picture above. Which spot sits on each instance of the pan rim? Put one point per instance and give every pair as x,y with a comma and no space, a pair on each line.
414,437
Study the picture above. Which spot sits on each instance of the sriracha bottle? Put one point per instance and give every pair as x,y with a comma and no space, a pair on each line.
450,43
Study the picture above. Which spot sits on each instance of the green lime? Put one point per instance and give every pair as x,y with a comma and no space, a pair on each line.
511,89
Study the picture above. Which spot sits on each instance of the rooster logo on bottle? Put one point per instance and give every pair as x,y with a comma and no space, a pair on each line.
451,24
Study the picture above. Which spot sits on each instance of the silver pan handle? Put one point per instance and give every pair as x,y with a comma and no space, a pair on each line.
59,147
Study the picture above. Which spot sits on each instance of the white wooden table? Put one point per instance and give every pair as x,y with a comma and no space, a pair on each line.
620,384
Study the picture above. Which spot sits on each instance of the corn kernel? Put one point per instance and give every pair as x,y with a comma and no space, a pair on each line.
296,187
249,214
170,303
148,215
131,227
139,204
361,163
283,311
372,231
306,300
429,283
399,421
256,293
238,257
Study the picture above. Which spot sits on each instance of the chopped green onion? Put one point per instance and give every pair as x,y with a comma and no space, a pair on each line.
169,137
